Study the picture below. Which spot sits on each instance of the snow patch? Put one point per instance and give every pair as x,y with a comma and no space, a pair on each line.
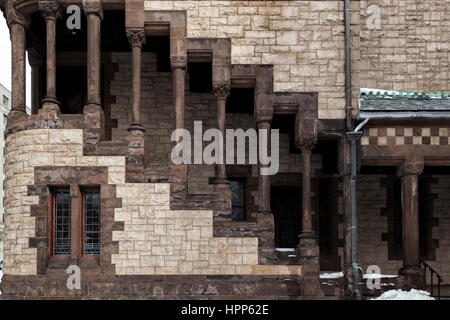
333,275
285,249
379,276
399,294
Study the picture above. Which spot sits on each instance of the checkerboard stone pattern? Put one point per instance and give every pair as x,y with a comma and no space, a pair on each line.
399,136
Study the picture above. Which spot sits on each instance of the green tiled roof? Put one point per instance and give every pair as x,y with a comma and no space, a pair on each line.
403,95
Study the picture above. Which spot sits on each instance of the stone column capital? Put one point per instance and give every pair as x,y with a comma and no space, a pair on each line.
306,144
177,61
263,115
93,7
50,9
136,37
410,167
221,90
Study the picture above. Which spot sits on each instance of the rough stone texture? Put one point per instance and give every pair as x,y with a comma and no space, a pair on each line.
157,119
410,50
441,206
155,240
302,39
372,250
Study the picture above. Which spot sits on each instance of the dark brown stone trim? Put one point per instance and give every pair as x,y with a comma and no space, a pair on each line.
154,287
47,177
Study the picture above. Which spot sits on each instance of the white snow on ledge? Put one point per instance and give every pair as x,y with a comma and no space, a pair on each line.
285,249
405,295
334,275
378,276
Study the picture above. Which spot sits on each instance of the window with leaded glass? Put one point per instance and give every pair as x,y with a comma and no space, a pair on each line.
61,222
237,187
91,222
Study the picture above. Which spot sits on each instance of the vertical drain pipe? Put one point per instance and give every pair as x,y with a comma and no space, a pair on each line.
352,137
348,68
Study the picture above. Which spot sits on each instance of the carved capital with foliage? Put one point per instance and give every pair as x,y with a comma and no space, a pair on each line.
93,7
50,9
410,168
221,90
136,37
177,61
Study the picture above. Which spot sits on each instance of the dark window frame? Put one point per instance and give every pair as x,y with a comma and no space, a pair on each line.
53,223
242,181
76,224
83,193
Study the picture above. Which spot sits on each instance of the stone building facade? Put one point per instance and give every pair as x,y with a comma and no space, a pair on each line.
90,181
5,106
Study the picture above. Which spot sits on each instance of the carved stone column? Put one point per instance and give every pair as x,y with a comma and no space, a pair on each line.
409,172
308,248
136,38
50,9
136,131
306,138
93,112
306,145
17,23
264,180
35,62
344,172
178,64
94,14
221,91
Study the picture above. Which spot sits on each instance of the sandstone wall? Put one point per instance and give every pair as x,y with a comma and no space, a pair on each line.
157,119
441,205
372,250
410,48
155,240
304,40
371,200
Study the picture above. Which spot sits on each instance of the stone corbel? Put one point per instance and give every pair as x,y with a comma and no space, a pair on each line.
136,37
93,7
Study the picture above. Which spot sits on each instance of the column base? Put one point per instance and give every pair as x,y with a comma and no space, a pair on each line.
308,249
411,278
136,142
95,119
16,120
215,180
136,127
51,105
